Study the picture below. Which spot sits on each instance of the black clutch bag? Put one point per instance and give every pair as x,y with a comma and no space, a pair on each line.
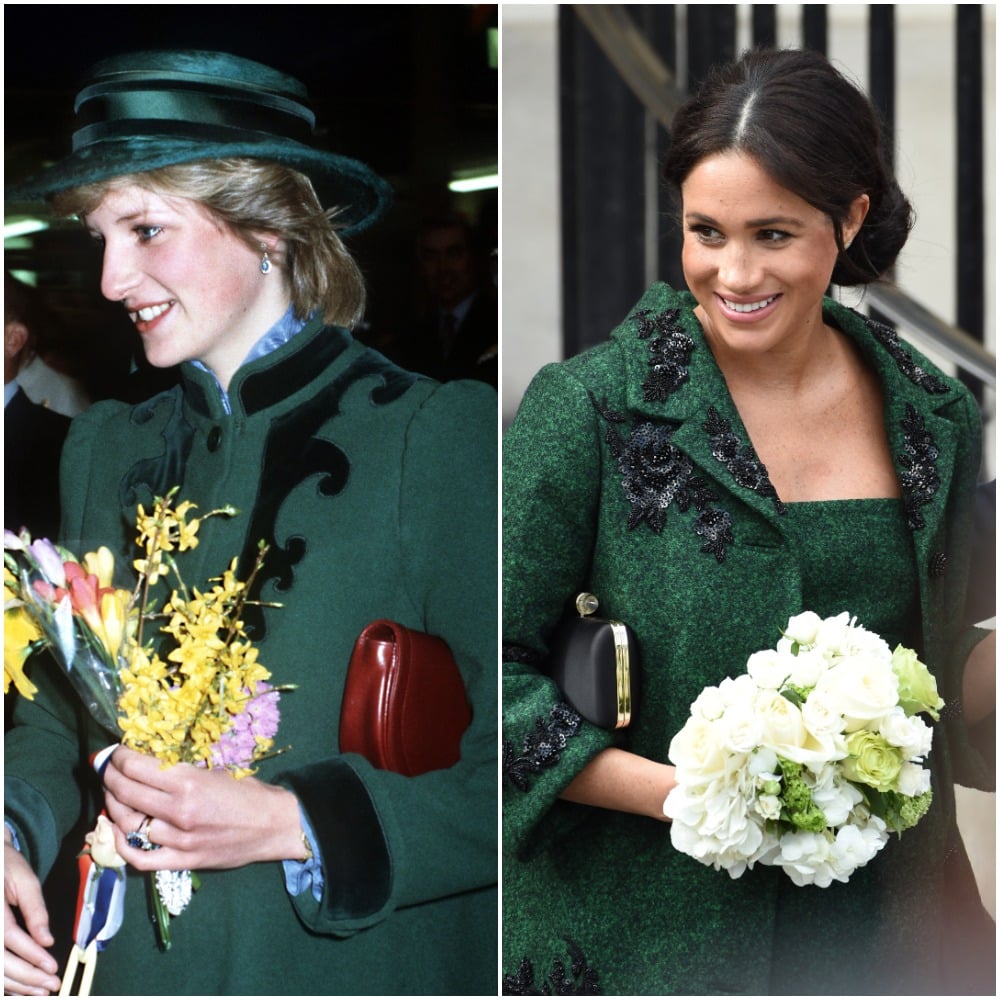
595,663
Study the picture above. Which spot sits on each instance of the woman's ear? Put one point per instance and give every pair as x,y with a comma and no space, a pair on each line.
855,217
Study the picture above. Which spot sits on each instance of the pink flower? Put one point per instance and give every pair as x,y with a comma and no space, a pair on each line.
257,723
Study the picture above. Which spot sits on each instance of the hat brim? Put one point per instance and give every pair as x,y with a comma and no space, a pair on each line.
359,194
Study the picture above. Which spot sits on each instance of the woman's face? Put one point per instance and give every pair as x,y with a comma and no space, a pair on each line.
756,256
193,289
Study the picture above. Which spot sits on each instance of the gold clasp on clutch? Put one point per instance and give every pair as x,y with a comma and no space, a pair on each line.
586,605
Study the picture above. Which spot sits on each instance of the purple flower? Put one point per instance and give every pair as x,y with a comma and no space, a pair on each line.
49,561
256,723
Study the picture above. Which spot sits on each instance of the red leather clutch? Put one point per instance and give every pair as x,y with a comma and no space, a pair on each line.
405,707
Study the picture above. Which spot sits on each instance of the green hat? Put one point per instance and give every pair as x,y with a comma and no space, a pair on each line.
145,110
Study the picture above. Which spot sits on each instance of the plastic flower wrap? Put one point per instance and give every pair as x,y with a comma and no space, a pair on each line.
195,692
810,759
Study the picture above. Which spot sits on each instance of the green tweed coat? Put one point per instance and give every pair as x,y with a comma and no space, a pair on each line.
377,491
628,473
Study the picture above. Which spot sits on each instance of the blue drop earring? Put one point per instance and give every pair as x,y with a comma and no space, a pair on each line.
265,261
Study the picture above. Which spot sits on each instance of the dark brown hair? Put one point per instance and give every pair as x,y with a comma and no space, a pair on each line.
814,132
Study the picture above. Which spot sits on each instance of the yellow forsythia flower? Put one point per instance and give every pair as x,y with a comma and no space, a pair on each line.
19,632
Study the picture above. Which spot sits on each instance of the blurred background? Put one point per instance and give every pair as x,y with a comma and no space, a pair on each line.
411,90
588,91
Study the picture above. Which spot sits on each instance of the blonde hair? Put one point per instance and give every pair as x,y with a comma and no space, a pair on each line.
252,197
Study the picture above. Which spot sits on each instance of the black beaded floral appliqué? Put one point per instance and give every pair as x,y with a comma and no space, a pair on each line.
919,478
670,349
541,748
738,458
656,474
890,340
576,981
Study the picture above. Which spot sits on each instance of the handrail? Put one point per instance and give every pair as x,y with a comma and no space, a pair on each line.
957,345
633,57
648,77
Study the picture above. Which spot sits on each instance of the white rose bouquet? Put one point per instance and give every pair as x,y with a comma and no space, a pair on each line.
810,759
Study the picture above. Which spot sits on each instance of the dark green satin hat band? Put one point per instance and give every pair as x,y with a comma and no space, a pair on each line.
123,110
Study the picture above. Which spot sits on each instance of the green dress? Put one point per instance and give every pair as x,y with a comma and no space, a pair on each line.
628,473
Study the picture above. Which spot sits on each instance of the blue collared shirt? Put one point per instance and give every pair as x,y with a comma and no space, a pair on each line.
279,335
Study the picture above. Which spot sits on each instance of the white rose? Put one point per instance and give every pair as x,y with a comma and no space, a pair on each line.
784,732
832,636
740,728
803,628
908,732
807,668
709,705
913,780
860,689
739,690
825,725
861,642
770,669
697,751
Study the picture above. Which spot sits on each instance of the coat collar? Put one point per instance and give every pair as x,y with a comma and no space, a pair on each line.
672,376
274,377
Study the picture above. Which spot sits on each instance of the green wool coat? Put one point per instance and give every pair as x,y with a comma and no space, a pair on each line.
377,491
628,473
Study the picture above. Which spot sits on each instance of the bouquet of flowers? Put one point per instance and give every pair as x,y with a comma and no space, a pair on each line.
810,759
199,695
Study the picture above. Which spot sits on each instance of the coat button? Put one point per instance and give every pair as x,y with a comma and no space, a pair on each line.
937,565
214,437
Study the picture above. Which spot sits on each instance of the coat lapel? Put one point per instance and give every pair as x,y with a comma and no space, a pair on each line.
672,378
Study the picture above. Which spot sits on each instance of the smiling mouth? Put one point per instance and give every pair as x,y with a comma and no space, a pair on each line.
148,313
747,307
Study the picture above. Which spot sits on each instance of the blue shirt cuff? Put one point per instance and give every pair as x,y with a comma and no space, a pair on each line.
301,876
13,836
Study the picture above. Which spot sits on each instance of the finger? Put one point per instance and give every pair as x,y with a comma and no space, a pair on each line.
155,857
140,767
135,797
22,979
26,895
122,817
28,968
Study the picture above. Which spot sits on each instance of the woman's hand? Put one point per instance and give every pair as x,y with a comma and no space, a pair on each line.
201,818
617,779
28,968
